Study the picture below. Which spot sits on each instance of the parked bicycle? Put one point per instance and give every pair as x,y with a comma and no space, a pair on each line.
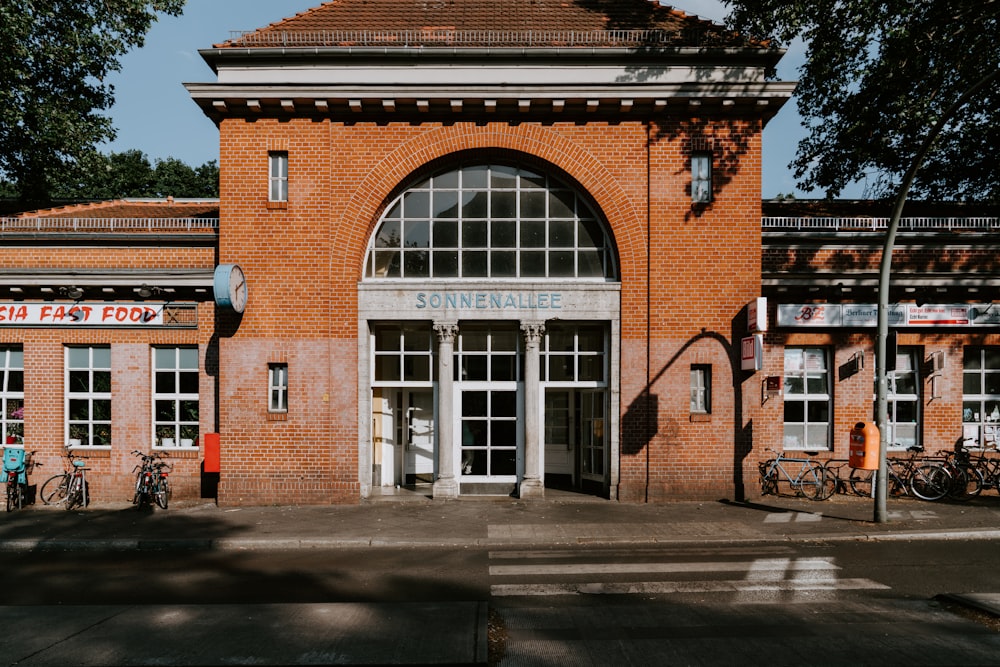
810,478
69,487
16,463
916,474
151,483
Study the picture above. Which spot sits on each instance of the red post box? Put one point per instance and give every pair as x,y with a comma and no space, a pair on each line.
212,453
863,452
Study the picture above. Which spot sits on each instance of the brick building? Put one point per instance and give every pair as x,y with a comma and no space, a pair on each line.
470,248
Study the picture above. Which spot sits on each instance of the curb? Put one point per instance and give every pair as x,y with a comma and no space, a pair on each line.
294,544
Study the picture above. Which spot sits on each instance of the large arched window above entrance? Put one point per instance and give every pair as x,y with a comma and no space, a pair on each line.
479,221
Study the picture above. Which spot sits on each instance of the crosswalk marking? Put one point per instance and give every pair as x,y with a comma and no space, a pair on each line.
773,564
775,578
669,587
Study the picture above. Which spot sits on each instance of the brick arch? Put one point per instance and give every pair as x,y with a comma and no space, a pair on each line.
382,182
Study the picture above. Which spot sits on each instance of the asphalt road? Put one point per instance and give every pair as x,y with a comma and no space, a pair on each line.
849,602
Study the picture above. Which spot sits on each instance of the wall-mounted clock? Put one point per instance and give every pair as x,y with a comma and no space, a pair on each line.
230,287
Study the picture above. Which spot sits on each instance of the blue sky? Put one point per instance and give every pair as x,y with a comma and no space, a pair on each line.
154,113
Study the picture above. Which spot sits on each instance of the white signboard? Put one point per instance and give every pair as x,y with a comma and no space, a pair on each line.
19,314
757,315
752,353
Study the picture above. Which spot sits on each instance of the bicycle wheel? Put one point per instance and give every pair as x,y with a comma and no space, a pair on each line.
967,482
12,495
768,481
930,482
813,483
74,496
54,489
162,493
861,482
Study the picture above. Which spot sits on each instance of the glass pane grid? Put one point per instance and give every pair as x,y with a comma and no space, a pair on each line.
485,221
806,399
176,406
88,396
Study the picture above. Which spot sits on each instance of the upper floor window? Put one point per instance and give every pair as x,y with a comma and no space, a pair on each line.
277,162
277,387
88,396
490,221
12,394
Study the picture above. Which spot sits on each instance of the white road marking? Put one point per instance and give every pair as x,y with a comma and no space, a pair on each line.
782,564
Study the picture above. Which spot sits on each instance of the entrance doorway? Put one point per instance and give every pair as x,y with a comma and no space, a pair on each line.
404,434
576,439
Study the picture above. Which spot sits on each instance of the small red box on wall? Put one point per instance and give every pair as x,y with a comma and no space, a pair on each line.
212,453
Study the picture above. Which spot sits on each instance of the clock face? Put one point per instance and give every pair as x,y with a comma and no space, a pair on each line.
237,289
230,287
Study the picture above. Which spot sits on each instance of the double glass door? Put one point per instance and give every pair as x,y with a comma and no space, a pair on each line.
405,429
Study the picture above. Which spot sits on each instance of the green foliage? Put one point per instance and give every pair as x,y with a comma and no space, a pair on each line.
878,75
55,58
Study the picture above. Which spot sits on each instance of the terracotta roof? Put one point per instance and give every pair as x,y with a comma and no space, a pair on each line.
132,208
512,23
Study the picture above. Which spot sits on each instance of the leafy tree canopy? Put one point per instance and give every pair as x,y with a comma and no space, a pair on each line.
55,58
878,75
131,174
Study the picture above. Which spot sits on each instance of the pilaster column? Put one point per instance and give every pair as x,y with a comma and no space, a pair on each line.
446,486
532,485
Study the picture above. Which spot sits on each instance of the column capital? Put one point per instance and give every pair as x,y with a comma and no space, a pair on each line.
533,331
446,330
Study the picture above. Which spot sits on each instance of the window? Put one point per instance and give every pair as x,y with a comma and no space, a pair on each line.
88,396
404,353
701,178
277,383
573,354
490,221
807,399
277,176
903,400
175,396
701,388
981,396
12,394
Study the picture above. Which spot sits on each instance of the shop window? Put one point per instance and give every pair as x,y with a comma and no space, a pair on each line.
903,400
175,396
490,221
701,178
277,176
277,388
807,399
981,397
12,394
701,389
88,396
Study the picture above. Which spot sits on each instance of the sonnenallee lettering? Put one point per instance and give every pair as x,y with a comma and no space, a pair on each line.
490,300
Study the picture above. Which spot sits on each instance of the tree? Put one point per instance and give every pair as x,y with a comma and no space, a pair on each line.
55,58
130,174
878,74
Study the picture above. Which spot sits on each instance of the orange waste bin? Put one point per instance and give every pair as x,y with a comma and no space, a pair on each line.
863,452
212,453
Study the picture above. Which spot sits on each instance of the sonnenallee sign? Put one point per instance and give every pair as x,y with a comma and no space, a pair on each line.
81,314
491,300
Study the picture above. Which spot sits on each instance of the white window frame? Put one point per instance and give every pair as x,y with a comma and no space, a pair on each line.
981,409
701,177
277,171
184,422
907,371
277,388
815,392
12,393
87,429
701,389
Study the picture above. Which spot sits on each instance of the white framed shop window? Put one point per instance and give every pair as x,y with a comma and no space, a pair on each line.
981,397
87,396
807,399
12,394
176,407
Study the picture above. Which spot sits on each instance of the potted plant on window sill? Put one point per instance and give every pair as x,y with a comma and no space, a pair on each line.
77,435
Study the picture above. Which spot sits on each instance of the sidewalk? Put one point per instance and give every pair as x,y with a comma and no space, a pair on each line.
560,519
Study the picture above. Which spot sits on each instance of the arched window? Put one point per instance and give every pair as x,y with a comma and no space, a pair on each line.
491,221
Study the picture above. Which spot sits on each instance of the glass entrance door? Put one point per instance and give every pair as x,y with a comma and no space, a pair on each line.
575,437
